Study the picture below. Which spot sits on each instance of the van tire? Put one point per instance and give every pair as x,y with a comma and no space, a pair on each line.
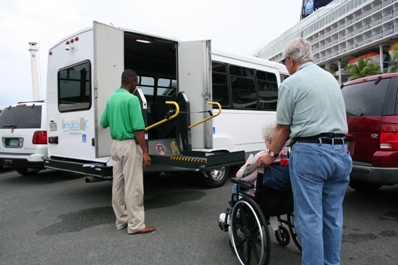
364,186
27,171
216,177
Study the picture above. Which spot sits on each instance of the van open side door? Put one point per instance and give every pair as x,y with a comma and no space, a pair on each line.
109,65
194,78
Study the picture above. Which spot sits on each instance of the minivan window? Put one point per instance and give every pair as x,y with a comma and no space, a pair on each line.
365,99
74,87
21,117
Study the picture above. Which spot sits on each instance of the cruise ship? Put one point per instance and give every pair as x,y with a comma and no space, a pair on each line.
341,32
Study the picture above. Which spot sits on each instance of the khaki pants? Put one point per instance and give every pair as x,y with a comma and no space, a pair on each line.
128,185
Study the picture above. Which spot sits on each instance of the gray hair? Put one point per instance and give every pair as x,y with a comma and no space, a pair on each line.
268,130
300,50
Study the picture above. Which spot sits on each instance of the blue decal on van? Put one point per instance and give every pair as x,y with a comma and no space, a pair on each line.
80,124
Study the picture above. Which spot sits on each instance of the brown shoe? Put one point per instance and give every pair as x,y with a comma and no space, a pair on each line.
146,229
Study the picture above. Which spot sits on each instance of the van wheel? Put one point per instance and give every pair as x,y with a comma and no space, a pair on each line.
27,171
216,177
363,186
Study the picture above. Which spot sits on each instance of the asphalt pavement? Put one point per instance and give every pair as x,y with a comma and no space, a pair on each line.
52,219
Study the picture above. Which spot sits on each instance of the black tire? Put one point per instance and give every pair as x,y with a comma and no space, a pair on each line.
282,236
239,240
364,187
215,177
292,230
27,171
249,233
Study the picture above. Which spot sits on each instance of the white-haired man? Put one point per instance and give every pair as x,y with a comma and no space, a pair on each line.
311,112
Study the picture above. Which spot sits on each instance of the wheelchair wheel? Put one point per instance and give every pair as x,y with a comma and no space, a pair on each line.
290,218
249,233
282,236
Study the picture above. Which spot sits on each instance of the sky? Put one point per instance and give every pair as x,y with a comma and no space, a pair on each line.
231,25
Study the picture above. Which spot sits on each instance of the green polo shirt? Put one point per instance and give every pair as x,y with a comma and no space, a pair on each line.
122,115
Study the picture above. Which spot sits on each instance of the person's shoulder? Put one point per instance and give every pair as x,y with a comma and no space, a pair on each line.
289,81
133,99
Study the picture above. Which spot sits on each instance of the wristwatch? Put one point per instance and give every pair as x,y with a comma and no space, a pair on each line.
271,153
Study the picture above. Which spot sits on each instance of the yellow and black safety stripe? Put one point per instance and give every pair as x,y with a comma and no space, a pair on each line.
187,159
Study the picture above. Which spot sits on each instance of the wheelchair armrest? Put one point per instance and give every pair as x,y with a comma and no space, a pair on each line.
242,183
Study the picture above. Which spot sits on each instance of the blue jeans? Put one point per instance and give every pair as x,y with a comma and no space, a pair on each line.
319,175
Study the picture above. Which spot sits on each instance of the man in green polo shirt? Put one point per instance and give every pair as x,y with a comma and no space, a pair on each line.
124,118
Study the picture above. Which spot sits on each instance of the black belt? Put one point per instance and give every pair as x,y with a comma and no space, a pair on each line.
323,138
134,139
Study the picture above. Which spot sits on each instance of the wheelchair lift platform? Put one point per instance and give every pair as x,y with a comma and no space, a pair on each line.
166,152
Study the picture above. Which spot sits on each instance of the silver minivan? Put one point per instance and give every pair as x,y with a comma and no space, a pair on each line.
23,134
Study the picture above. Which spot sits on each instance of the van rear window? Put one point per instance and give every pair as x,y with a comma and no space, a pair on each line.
365,99
21,117
74,87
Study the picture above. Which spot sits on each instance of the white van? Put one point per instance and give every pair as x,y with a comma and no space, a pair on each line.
23,134
185,130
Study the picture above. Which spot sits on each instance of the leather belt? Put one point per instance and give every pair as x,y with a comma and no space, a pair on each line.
323,138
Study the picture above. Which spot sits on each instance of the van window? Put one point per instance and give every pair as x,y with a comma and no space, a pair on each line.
267,90
147,84
167,87
21,117
244,94
365,99
220,84
74,87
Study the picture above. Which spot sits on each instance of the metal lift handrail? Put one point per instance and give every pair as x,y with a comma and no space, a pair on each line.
177,111
208,118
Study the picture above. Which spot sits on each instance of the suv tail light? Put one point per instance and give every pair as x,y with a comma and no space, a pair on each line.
389,137
39,137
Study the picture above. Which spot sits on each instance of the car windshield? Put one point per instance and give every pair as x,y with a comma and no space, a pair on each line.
21,117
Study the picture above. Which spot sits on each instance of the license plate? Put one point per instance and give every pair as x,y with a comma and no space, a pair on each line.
13,142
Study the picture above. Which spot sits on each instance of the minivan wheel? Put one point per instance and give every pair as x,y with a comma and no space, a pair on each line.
363,186
27,171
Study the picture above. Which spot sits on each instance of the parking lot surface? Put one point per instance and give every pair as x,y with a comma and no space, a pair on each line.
52,219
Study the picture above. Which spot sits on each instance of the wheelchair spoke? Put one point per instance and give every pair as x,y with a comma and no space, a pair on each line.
249,233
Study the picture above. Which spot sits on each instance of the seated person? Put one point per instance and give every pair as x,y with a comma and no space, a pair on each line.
276,176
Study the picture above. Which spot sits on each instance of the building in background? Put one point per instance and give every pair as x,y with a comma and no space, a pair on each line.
309,6
342,31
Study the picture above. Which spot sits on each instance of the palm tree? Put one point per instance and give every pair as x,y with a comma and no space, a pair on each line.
393,65
332,72
364,67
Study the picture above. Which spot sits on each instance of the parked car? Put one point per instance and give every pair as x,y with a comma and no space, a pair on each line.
372,116
23,134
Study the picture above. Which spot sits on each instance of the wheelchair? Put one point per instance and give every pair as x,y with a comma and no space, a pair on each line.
248,216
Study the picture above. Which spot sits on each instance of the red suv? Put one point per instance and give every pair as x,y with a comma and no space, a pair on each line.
372,116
